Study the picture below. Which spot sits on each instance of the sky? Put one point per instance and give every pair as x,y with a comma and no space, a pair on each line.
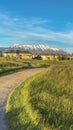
48,22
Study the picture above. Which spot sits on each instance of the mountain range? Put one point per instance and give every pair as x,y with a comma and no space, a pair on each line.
40,49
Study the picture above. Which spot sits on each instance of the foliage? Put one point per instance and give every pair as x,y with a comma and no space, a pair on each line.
63,57
1,54
38,57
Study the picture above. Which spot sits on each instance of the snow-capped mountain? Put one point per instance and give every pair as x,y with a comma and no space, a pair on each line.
37,49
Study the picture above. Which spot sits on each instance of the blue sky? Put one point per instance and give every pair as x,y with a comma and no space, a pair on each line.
48,22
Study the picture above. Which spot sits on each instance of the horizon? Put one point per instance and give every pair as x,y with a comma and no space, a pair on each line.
37,22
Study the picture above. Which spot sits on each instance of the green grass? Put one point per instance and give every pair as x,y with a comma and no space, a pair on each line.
47,63
43,102
9,65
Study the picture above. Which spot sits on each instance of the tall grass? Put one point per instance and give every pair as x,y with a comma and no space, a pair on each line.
43,102
8,65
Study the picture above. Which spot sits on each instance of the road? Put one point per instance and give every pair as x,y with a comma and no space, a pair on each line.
7,84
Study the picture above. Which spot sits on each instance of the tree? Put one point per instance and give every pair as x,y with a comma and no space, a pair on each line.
38,57
1,54
62,57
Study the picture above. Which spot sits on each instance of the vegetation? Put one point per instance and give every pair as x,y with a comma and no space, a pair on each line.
43,102
8,65
62,57
47,63
1,54
38,57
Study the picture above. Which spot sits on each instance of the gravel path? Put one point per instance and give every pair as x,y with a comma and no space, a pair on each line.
7,84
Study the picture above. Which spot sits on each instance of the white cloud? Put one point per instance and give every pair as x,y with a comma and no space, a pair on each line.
31,30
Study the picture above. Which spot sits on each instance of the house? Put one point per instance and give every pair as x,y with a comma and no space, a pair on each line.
9,54
29,56
46,56
21,55
49,57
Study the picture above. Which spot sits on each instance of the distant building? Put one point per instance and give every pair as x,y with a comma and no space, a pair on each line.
18,55
29,56
49,57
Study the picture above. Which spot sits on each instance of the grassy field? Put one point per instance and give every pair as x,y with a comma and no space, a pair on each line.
47,63
43,102
10,65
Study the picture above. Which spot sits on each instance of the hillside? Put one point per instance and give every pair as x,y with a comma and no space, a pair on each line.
43,102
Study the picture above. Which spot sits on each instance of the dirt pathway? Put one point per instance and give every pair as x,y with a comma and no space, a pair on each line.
7,84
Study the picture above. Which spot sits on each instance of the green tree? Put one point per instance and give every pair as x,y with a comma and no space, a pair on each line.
38,57
1,54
